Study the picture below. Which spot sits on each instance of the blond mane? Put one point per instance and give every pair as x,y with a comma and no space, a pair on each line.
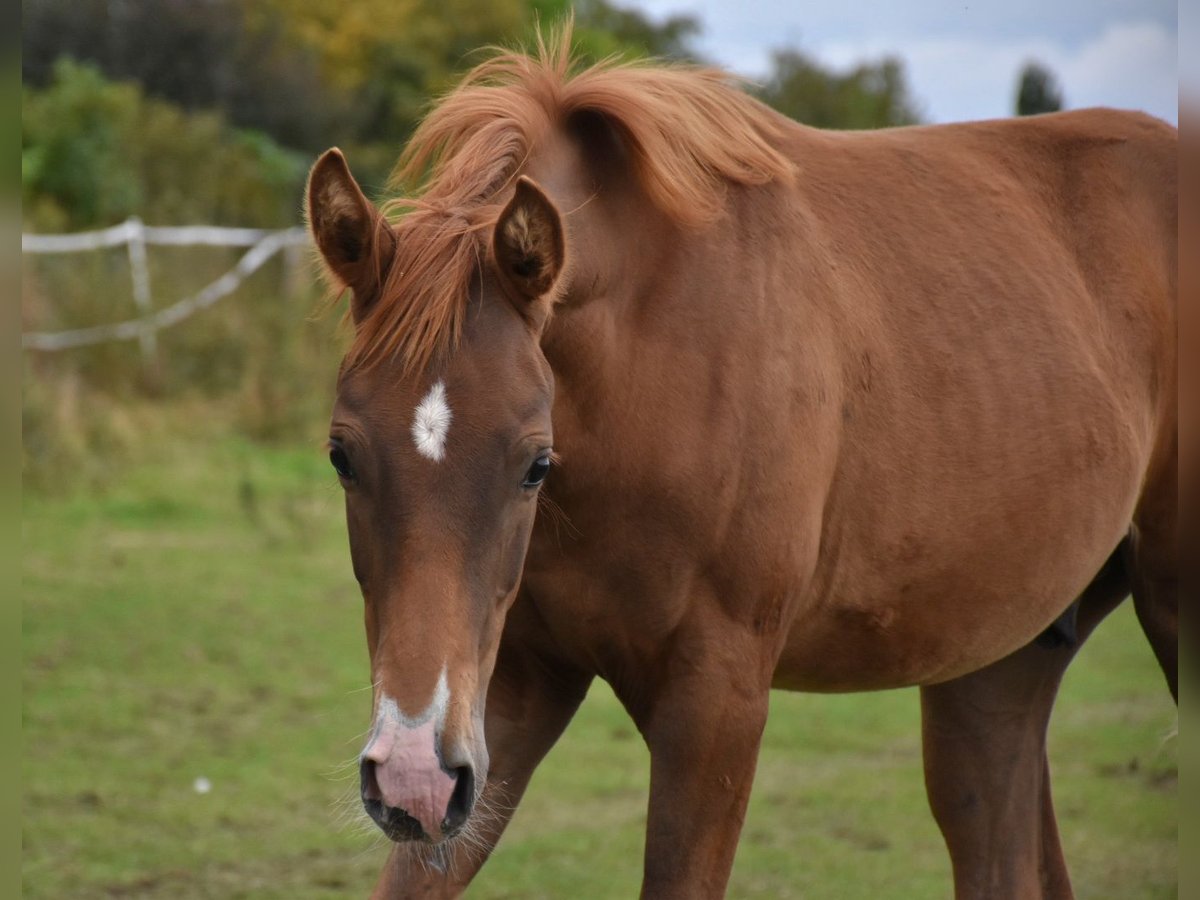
688,132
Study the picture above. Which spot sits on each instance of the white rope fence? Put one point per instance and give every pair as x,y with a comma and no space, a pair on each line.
263,244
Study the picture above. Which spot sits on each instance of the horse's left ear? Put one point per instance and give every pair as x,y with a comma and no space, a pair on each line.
528,242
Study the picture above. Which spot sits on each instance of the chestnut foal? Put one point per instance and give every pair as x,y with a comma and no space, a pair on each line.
826,411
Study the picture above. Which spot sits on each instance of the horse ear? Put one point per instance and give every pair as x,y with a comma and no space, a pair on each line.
355,241
528,242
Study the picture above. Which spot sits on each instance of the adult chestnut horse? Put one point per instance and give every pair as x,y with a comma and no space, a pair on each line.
829,412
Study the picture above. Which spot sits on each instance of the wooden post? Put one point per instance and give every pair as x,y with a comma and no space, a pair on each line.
139,271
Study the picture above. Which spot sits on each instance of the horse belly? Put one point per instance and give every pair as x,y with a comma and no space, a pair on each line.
922,632
940,575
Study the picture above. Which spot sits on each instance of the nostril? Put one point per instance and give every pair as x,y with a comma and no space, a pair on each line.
461,800
368,783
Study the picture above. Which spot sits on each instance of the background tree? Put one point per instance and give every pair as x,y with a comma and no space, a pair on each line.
871,95
1037,91
96,151
310,73
233,57
603,29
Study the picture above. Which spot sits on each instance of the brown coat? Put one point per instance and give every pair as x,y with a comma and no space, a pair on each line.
829,411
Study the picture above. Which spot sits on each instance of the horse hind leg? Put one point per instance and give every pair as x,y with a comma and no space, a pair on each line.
1153,562
1156,599
986,770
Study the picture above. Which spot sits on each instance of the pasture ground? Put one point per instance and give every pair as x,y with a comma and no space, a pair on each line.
197,619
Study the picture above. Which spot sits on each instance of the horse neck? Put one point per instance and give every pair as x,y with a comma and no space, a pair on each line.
665,332
626,259
644,344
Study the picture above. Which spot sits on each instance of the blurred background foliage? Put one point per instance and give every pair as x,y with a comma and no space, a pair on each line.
185,112
134,107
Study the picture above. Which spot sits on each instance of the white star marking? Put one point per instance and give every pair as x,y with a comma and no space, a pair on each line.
431,422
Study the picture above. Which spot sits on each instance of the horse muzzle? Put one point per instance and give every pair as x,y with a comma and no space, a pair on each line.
409,789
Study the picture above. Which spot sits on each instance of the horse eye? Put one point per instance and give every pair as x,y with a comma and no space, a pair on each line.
537,472
340,462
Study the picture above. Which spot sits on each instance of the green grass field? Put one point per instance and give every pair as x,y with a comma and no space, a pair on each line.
198,619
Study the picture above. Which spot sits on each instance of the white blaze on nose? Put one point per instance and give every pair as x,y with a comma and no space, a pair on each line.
431,422
435,712
409,773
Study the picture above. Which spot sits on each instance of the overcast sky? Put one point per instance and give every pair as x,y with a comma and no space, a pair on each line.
961,56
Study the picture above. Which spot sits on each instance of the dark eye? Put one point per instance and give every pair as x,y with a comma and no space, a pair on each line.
340,462
537,472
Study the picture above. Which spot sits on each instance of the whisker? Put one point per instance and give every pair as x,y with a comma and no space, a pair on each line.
557,517
343,770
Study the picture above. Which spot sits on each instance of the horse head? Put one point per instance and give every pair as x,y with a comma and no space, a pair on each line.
441,438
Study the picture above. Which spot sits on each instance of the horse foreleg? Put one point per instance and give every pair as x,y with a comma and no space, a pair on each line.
986,771
703,722
531,699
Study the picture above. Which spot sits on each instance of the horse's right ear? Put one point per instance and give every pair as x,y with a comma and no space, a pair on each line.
355,241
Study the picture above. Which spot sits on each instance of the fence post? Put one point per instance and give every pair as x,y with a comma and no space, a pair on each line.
144,328
140,272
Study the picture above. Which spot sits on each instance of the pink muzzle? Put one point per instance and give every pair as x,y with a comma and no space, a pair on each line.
407,774
413,786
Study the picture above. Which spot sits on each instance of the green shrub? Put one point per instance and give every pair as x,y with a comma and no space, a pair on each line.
95,152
